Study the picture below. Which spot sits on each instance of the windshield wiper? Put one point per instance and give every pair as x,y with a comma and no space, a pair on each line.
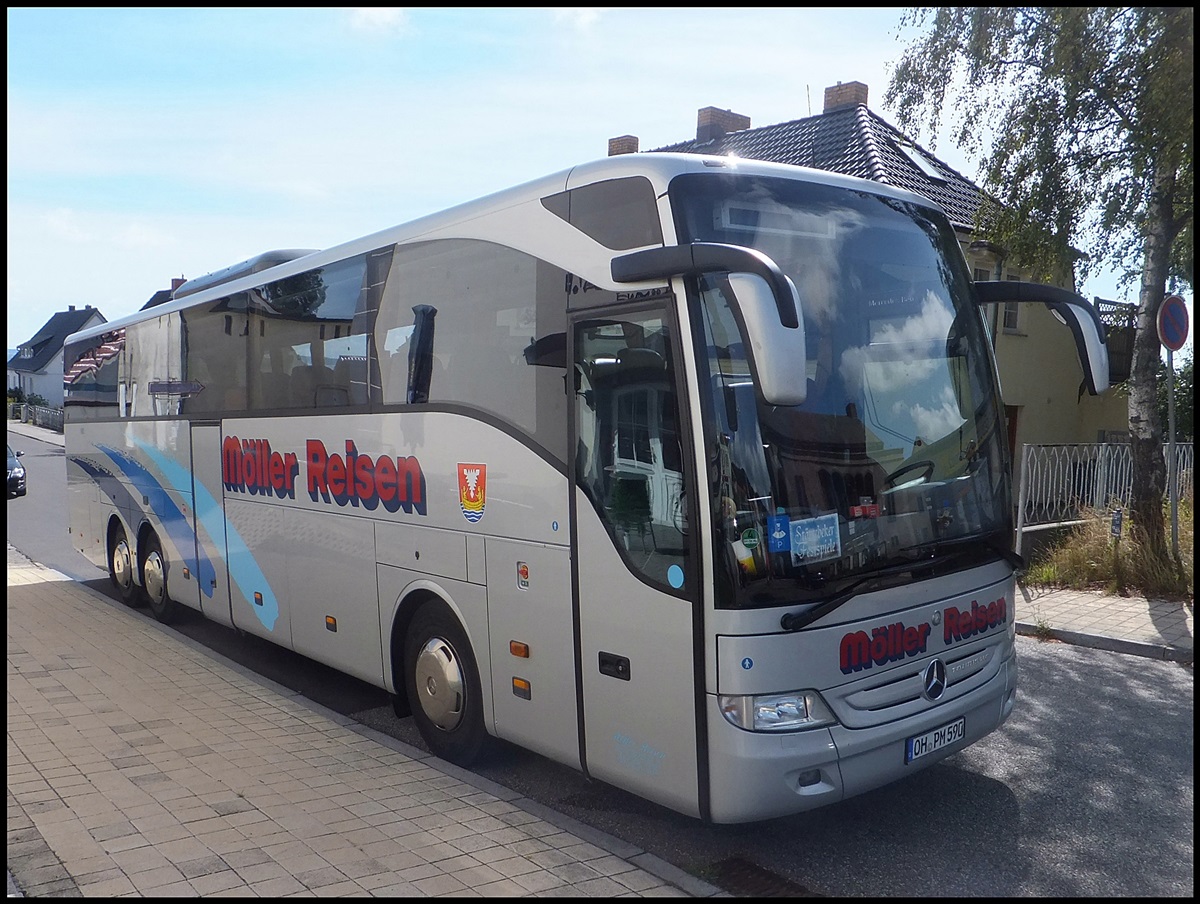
794,621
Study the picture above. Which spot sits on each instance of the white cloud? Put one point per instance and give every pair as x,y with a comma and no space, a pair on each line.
378,19
63,225
580,18
911,337
934,423
141,235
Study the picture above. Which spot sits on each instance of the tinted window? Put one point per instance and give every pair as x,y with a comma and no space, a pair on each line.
498,344
151,367
301,342
90,380
618,213
215,356
309,338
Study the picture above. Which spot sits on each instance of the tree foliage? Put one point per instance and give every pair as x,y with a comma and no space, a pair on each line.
1082,118
1070,110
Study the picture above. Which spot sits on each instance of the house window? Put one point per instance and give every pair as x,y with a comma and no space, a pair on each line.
920,161
1011,308
982,275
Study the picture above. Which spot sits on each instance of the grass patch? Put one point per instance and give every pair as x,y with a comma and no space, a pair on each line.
1089,558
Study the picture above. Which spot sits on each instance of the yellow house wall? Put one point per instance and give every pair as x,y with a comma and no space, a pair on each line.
1040,373
1040,376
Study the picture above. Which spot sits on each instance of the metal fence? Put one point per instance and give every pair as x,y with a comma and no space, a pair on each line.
50,418
1059,483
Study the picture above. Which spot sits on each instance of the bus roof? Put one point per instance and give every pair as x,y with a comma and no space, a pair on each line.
659,168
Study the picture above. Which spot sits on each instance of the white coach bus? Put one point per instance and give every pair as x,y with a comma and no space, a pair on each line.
687,472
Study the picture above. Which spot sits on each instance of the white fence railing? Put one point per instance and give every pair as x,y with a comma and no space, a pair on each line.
50,418
1059,482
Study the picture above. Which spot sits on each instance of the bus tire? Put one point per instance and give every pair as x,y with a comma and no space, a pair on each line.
154,581
120,567
400,705
442,683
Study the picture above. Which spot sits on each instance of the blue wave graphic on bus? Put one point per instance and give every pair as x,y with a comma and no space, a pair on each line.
243,570
108,483
173,521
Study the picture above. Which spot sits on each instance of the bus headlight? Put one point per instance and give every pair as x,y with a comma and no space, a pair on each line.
777,712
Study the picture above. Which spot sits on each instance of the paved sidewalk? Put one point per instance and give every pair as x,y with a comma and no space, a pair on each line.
1159,629
140,764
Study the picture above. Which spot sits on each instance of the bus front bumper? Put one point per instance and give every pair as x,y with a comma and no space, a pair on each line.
755,776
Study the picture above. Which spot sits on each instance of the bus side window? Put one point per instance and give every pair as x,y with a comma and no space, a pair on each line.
485,378
350,374
310,386
274,390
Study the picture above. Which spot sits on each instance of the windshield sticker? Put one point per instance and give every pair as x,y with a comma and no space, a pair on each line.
815,540
777,533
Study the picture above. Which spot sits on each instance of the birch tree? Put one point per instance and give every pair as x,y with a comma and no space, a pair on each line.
1082,121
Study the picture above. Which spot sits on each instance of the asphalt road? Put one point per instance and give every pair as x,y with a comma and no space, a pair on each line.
1086,791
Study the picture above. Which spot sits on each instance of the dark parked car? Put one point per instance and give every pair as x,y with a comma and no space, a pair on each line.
16,474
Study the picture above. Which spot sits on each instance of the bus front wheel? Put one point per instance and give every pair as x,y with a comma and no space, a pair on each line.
442,683
154,580
120,566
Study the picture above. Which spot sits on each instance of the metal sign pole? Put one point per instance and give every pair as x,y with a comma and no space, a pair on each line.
1172,326
1172,465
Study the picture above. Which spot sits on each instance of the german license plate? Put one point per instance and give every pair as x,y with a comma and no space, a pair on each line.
931,741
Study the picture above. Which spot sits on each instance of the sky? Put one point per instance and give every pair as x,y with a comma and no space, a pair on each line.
151,144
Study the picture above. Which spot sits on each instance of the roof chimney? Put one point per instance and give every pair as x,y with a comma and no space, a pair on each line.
851,94
176,282
70,307
622,144
713,122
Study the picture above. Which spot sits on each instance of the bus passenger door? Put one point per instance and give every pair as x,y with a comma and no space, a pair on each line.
636,585
212,575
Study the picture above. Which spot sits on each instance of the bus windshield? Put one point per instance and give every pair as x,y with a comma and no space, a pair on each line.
897,454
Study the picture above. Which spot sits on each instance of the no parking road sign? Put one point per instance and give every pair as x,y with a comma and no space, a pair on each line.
1173,323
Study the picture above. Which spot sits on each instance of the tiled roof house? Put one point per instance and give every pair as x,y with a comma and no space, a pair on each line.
37,365
846,138
1038,366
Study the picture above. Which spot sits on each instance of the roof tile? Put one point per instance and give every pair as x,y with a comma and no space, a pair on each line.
852,141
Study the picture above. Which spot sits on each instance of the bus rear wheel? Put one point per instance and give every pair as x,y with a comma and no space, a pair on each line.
154,581
120,566
442,683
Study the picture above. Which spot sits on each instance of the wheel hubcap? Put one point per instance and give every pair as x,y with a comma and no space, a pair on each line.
122,572
154,578
439,683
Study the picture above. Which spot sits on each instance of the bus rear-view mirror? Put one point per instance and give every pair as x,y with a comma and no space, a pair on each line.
776,351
